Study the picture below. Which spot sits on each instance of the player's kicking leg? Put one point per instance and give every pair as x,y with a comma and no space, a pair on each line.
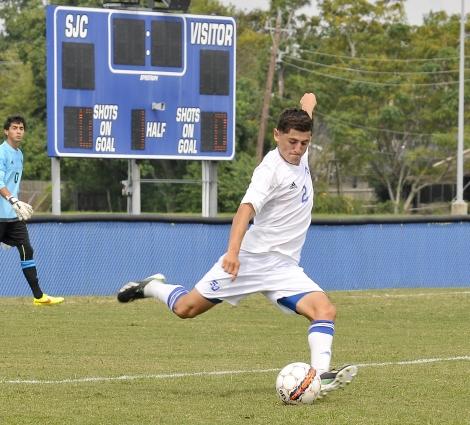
181,302
134,290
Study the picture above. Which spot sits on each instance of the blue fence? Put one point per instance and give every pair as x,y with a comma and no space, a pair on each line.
95,255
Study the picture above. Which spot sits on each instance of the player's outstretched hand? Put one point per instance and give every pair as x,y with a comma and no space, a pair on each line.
231,264
308,103
23,210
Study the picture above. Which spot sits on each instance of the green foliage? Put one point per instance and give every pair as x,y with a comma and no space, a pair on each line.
389,119
387,207
326,203
381,113
16,84
233,180
97,179
247,120
162,197
36,161
210,7
26,36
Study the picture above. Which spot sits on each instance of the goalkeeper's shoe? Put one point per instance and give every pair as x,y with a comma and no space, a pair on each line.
134,290
47,300
336,379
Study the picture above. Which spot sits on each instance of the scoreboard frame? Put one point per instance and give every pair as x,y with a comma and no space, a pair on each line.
170,96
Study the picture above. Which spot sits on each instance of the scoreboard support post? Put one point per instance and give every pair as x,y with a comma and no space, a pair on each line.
133,201
209,188
55,177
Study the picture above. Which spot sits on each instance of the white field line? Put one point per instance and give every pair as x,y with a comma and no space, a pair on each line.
353,293
214,373
419,294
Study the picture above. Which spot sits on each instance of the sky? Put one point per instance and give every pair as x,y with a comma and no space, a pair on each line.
415,9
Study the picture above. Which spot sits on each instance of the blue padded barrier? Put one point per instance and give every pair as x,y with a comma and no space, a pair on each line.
94,255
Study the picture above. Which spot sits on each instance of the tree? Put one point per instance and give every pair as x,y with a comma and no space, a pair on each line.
379,104
381,113
284,10
234,177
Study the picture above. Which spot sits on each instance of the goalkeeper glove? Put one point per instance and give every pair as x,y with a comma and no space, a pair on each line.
23,210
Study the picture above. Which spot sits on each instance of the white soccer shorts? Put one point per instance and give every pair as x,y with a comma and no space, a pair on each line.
274,275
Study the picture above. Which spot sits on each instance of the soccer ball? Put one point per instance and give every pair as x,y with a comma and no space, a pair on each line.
298,383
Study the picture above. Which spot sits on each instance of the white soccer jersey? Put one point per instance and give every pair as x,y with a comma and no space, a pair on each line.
282,196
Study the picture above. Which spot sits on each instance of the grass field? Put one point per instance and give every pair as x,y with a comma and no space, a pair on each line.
95,361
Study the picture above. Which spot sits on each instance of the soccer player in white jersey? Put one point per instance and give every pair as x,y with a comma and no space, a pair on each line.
13,212
264,258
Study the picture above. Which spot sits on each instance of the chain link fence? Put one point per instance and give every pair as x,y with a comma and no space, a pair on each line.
95,255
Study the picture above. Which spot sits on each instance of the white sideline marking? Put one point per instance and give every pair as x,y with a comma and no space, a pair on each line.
215,373
420,294
417,361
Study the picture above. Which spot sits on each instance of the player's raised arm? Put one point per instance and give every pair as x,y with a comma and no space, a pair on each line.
308,103
240,222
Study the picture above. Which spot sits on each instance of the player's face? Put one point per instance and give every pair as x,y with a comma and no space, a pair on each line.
292,145
15,133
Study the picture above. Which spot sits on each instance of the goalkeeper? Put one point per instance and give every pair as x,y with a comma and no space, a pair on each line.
13,212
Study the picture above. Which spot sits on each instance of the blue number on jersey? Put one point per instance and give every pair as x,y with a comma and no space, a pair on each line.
304,194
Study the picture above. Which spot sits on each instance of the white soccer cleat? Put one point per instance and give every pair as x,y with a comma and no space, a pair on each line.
336,379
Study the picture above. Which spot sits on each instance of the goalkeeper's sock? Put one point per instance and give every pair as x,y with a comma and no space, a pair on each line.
164,292
320,340
31,275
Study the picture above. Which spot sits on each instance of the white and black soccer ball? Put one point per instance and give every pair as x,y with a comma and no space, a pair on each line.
298,383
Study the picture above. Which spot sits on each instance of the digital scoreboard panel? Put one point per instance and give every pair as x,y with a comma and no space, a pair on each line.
137,84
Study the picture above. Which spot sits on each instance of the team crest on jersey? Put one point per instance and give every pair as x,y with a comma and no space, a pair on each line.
215,285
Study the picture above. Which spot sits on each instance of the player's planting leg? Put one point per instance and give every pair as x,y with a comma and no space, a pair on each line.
317,307
336,379
320,340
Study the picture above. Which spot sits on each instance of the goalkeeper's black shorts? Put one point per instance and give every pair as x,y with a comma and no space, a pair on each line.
14,233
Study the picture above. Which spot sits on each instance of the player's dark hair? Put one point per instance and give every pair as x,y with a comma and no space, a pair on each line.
295,119
17,119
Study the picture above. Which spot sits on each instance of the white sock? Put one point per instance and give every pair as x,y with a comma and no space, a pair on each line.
164,292
320,340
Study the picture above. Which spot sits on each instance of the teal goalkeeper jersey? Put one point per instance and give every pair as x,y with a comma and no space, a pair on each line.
11,169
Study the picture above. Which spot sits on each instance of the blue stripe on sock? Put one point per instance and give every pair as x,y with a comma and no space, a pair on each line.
175,296
27,264
323,326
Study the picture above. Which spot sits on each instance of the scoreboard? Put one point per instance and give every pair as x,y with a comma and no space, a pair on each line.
138,84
